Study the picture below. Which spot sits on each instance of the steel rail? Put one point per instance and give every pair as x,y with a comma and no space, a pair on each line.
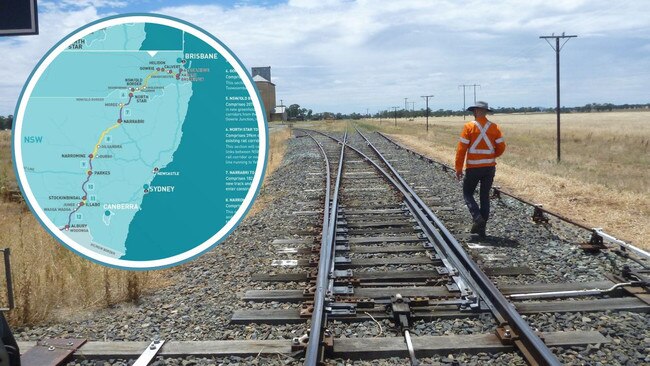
504,310
432,233
313,352
571,293
319,296
500,307
432,236
532,343
594,230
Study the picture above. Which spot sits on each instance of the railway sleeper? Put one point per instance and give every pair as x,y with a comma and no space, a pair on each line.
341,239
379,229
357,224
424,276
449,310
369,292
348,348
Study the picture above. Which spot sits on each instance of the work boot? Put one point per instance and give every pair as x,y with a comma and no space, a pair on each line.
481,230
476,226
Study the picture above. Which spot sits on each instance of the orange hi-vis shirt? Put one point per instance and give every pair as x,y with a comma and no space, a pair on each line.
482,142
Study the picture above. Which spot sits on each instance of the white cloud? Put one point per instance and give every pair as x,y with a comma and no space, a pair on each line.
24,52
346,56
93,3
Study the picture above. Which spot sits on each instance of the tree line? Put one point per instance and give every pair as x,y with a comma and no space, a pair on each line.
6,122
403,113
295,112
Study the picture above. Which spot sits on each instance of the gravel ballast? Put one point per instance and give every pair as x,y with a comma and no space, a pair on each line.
205,292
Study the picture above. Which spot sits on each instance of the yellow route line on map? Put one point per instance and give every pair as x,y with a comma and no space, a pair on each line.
101,137
146,81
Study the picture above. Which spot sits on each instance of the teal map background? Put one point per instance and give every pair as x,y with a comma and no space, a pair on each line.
123,142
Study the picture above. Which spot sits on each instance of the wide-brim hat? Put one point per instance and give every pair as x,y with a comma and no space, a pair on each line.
480,104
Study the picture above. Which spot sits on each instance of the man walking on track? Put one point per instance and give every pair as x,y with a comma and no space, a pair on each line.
481,141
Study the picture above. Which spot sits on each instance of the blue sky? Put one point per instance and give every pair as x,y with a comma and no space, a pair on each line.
346,56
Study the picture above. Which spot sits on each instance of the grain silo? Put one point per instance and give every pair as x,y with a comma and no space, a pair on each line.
262,79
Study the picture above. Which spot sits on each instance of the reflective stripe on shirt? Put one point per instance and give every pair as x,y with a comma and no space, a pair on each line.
464,141
480,161
482,136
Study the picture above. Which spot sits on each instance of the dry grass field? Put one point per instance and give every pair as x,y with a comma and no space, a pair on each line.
278,136
601,180
50,282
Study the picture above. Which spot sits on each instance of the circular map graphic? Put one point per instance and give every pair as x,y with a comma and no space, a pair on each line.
139,141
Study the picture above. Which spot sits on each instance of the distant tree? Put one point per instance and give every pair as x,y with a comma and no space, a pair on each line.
355,116
6,122
293,111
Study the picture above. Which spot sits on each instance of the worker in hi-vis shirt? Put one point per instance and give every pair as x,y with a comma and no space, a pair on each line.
481,142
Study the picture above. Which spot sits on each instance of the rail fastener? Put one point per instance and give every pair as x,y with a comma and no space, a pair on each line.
506,334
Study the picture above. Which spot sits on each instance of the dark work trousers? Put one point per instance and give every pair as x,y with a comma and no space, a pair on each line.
473,176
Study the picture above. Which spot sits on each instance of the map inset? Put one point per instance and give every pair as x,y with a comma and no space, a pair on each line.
139,142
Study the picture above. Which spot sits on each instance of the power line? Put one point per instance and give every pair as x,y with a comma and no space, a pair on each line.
557,48
467,86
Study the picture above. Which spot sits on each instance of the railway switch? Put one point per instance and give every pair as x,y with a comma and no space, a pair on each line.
401,311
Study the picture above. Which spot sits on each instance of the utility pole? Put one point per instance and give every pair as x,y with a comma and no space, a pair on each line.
474,85
395,110
412,106
406,104
367,113
467,86
283,110
463,86
557,49
426,97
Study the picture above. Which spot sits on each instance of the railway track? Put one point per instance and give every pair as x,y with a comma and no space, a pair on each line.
385,255
383,268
